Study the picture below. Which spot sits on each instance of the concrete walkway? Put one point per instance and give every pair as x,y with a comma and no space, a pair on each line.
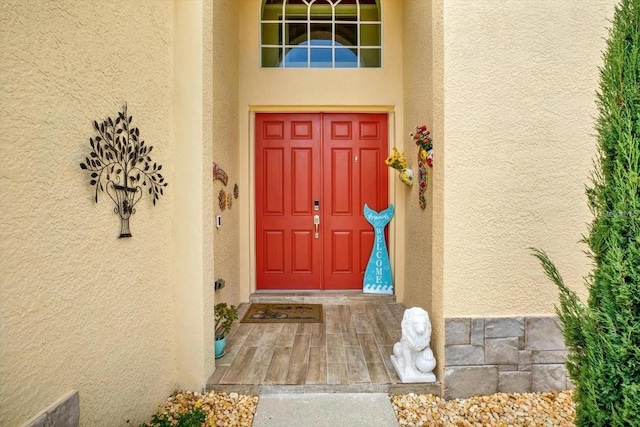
325,409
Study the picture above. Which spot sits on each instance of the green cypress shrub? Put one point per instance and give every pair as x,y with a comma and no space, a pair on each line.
603,335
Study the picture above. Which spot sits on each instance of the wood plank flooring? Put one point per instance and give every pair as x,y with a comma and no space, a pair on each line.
348,352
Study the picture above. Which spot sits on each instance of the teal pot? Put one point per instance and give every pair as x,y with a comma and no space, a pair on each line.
220,343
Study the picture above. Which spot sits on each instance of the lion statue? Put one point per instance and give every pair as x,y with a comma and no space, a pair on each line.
412,357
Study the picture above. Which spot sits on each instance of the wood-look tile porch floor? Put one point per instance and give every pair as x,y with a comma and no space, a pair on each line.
349,352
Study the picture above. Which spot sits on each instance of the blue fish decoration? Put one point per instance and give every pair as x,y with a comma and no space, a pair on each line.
377,276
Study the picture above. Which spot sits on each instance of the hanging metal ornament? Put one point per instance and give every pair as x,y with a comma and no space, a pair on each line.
219,174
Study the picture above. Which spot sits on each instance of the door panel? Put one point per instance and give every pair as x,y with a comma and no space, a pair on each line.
366,244
340,172
288,179
354,149
274,190
337,159
302,180
274,257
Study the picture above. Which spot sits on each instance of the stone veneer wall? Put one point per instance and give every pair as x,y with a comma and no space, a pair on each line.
504,354
64,412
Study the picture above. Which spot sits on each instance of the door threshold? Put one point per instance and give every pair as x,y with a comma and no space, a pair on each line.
308,291
321,297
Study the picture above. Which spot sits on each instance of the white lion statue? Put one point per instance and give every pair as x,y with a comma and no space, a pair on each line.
412,357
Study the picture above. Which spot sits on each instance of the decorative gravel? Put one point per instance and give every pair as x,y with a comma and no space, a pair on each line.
499,410
222,409
233,409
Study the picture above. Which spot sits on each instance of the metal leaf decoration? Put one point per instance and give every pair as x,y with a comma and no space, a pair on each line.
120,165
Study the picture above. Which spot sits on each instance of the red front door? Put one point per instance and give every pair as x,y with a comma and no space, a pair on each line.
317,168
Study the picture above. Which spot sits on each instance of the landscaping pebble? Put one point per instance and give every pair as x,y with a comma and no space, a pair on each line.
500,410
233,409
222,409
413,410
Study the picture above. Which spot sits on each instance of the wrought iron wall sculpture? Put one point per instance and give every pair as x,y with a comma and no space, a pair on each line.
120,165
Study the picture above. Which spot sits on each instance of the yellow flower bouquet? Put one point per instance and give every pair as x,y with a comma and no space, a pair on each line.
398,161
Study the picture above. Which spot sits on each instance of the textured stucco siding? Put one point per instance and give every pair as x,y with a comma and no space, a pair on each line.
193,186
79,308
418,102
226,239
422,93
519,96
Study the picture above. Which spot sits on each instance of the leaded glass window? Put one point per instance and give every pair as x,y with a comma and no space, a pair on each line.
321,34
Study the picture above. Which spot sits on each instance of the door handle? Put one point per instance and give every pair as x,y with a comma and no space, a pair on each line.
316,222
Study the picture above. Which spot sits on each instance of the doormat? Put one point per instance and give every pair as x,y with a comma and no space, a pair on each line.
283,313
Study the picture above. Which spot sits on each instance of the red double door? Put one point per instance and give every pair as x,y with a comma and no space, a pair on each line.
314,173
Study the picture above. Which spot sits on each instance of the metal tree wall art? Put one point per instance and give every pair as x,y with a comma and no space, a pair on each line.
120,165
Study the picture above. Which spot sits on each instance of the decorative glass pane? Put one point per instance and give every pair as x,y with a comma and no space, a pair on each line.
370,35
298,18
370,57
295,11
321,58
271,56
321,10
295,33
271,34
296,57
322,31
369,11
347,34
347,11
272,11
346,58
321,43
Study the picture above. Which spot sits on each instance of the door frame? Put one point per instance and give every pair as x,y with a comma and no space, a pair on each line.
247,218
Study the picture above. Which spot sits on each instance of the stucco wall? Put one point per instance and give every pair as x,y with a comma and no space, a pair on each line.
418,103
193,221
422,79
277,89
208,198
80,308
226,146
519,92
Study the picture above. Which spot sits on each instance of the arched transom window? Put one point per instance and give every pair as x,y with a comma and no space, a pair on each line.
321,34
